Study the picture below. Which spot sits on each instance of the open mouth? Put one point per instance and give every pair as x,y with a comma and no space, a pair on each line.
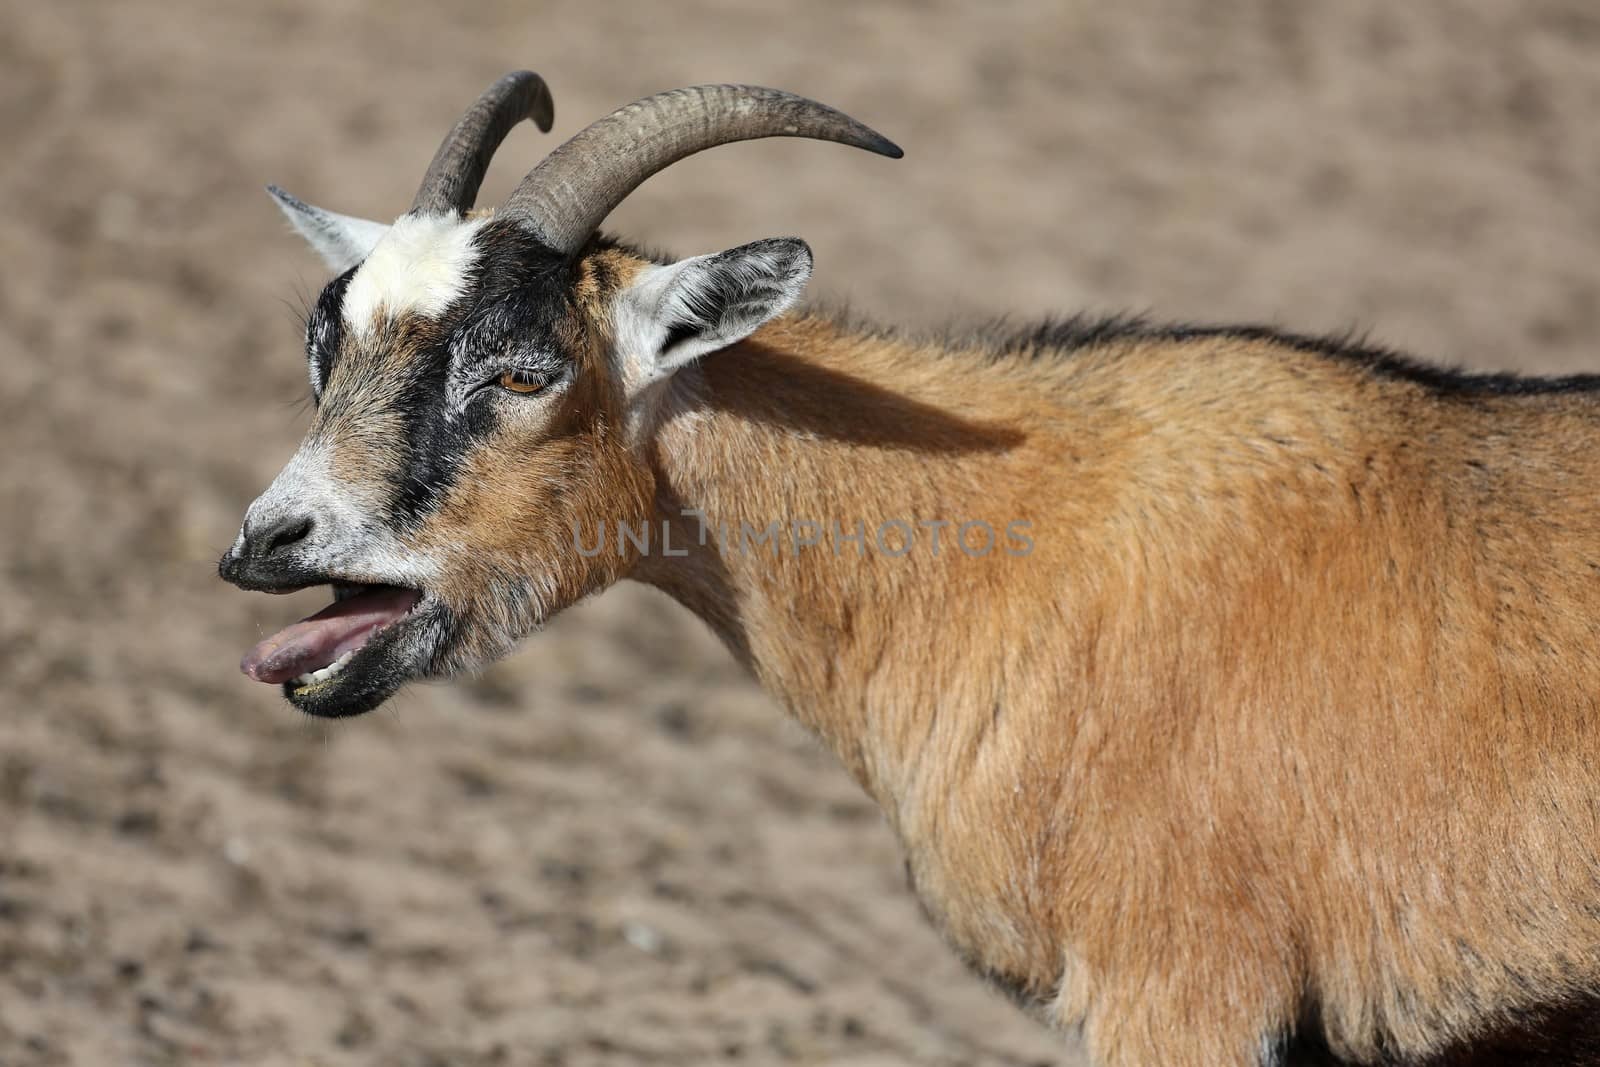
333,663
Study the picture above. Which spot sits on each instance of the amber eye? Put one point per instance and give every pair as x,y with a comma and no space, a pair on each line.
520,381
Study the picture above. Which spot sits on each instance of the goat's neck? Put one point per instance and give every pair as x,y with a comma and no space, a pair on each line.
809,424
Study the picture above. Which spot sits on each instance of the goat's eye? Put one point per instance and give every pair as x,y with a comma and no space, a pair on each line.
521,381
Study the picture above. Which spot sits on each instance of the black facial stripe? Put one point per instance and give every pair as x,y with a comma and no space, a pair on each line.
511,334
510,259
436,442
507,318
325,328
519,293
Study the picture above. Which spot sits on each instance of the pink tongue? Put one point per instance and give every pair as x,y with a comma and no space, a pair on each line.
313,643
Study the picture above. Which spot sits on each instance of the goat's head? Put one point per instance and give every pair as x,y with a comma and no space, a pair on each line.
483,386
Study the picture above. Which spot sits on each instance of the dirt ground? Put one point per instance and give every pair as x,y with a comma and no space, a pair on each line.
612,849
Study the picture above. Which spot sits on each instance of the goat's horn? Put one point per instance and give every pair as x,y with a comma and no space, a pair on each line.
566,197
451,184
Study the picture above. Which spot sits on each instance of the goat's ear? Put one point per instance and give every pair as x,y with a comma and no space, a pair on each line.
341,241
672,315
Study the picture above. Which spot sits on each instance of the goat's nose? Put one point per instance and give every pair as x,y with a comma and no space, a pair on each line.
266,539
262,557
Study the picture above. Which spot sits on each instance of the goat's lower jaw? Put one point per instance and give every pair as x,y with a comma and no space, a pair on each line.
324,673
342,593
357,682
352,655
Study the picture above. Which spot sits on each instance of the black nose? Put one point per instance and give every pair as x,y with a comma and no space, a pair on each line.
270,539
263,559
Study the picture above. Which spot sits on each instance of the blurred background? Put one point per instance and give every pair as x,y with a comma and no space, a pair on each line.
612,849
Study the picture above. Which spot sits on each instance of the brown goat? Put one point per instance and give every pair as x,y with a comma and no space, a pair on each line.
1231,692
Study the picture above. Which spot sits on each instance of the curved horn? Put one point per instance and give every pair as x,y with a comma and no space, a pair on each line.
451,184
565,198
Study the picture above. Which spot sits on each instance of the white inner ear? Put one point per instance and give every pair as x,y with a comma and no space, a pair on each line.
642,324
702,304
341,240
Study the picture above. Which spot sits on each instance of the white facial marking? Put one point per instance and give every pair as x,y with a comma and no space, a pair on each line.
343,538
419,267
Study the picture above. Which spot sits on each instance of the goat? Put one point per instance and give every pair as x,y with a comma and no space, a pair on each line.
1246,709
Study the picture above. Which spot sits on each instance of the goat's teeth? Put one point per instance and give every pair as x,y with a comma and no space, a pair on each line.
324,673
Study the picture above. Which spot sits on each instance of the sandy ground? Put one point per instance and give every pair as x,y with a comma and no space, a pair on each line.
612,849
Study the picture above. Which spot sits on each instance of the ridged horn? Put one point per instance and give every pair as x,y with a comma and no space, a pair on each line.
566,197
452,181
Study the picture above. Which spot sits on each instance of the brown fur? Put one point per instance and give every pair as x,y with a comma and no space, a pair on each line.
1289,715
1286,723
358,419
510,513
